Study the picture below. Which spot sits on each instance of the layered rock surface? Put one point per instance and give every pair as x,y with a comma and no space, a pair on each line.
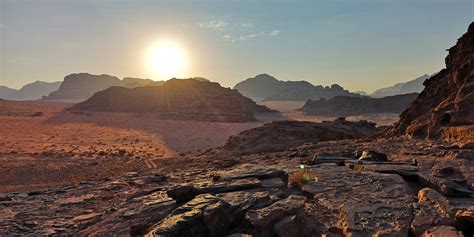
177,99
238,196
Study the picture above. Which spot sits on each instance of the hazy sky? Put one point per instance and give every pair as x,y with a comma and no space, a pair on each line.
359,44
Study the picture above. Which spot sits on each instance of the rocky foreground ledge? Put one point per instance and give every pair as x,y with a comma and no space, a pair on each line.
312,190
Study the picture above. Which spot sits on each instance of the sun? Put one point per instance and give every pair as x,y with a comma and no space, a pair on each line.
167,60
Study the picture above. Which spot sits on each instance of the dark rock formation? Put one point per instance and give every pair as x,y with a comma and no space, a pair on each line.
177,99
282,135
349,106
32,91
413,86
81,86
446,103
268,88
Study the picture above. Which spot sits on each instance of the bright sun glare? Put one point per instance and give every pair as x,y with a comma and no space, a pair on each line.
167,60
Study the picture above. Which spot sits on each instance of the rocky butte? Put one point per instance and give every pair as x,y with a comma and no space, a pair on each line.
349,106
187,99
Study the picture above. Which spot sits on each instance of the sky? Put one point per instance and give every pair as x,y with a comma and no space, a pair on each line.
358,44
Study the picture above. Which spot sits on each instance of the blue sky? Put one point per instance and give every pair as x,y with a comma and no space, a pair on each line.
359,44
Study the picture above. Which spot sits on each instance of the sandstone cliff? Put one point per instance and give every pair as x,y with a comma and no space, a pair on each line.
447,102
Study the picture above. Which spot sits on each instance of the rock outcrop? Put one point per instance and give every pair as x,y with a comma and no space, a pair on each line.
282,135
186,99
81,86
413,86
268,88
350,106
444,109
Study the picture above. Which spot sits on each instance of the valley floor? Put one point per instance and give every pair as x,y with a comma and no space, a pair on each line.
60,148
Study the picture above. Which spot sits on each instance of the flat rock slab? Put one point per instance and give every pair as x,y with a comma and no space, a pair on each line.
205,215
372,202
403,170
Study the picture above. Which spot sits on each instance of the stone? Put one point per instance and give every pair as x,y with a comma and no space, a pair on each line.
259,174
205,215
408,171
263,217
182,193
229,185
242,201
432,210
372,156
287,227
444,186
273,183
465,221
450,173
442,231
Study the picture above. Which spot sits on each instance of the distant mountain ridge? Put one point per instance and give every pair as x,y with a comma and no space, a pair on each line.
412,86
271,89
32,91
81,86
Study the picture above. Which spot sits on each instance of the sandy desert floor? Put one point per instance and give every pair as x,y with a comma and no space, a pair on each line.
60,147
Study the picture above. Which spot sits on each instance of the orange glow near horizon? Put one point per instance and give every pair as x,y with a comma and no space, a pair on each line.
167,59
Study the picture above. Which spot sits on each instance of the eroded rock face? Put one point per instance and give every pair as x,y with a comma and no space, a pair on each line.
282,135
446,102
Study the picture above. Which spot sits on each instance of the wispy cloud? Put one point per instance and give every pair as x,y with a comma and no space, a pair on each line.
241,30
275,32
213,24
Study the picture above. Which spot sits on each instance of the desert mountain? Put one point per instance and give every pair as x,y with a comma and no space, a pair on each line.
5,92
412,86
348,106
81,86
447,102
32,91
178,99
270,89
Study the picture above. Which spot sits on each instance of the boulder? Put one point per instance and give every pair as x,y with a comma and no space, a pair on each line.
183,193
